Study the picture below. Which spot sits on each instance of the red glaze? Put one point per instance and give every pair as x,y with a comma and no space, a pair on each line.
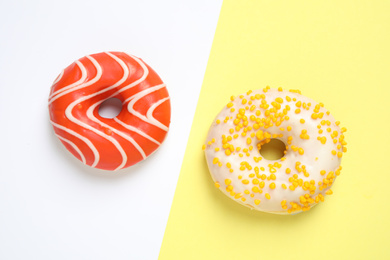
104,143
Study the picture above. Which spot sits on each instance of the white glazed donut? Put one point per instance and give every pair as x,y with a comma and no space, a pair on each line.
297,181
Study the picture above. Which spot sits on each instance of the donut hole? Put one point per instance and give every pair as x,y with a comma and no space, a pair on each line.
273,150
110,108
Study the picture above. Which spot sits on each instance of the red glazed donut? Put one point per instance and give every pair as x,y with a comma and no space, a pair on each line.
105,143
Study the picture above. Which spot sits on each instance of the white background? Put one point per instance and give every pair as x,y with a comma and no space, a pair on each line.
52,206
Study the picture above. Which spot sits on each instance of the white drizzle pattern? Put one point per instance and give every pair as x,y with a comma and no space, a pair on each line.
82,83
74,86
138,96
86,140
74,147
59,77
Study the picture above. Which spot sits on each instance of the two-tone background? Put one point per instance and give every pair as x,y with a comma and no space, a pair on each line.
53,207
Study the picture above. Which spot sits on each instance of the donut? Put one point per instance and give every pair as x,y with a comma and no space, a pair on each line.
314,145
110,143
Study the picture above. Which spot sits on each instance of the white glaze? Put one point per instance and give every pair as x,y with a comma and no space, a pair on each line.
316,157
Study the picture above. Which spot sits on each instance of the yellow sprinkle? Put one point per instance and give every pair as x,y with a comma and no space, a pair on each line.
267,196
255,189
257,202
217,184
329,192
284,186
228,181
279,100
272,185
238,195
203,147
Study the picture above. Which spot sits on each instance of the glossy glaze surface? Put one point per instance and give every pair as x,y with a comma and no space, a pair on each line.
110,143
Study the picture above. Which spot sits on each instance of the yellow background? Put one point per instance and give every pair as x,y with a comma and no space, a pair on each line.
335,52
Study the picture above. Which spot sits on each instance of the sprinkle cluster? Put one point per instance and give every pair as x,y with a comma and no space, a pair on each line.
295,182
